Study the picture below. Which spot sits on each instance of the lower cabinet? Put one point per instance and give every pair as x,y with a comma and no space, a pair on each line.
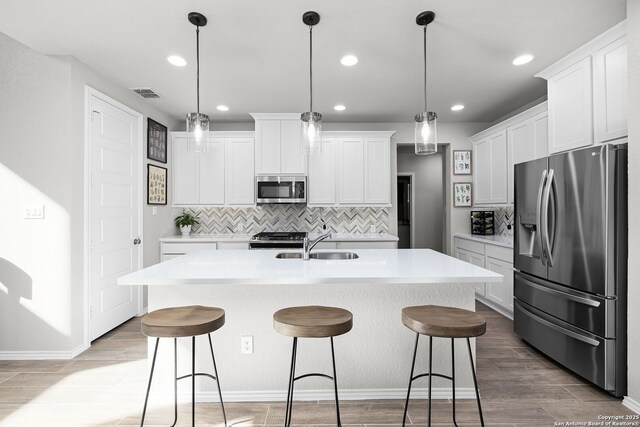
498,259
170,250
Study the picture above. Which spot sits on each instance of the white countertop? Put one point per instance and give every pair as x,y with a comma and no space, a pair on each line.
335,237
507,242
381,266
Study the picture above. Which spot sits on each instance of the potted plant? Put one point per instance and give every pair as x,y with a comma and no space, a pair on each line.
184,222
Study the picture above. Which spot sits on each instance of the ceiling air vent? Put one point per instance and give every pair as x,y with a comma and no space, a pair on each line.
145,92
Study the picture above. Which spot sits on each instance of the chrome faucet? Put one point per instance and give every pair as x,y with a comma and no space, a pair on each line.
308,245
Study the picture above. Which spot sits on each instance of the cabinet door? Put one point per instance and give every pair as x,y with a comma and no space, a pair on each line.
267,159
184,173
475,259
377,171
211,166
292,158
322,178
500,293
570,117
610,96
239,175
491,169
541,136
520,148
482,171
351,179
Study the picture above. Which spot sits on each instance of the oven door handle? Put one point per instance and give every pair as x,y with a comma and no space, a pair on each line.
575,298
562,330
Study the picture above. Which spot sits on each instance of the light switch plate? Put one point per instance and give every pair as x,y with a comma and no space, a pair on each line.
34,211
154,210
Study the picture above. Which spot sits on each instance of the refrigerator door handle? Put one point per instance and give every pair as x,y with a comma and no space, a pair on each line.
539,227
575,298
562,330
545,216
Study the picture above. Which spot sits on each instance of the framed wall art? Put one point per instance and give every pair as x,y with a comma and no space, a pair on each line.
462,194
156,141
462,162
156,185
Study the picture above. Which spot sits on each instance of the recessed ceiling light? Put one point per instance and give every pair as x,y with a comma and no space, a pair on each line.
349,60
457,107
522,59
339,107
176,60
222,108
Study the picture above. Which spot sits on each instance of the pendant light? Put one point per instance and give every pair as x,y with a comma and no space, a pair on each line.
426,133
197,123
311,121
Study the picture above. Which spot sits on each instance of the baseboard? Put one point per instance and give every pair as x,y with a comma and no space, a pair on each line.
43,355
312,395
492,305
629,403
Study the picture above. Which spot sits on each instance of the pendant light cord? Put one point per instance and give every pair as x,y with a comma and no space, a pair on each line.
198,68
311,68
425,67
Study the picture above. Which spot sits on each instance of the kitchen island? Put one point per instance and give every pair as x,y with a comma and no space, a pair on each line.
373,359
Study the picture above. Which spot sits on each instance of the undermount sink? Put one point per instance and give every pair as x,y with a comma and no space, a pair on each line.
333,255
289,255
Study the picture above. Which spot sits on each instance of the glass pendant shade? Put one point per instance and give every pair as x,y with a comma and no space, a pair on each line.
197,132
426,134
311,132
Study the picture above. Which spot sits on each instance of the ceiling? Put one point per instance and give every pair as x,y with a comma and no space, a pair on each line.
254,53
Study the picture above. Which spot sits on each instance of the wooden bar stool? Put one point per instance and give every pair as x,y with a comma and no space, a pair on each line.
175,322
443,322
311,322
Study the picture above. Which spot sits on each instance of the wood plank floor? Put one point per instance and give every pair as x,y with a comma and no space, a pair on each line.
105,386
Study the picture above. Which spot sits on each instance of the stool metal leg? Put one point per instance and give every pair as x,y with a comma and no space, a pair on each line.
146,398
475,382
215,371
430,377
335,385
453,380
292,372
175,382
193,381
413,365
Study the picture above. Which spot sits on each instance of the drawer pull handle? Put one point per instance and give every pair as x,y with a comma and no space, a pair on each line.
562,330
580,300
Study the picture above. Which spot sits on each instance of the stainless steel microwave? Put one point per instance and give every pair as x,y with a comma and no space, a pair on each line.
281,189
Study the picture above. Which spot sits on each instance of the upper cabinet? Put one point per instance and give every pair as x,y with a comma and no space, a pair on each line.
518,139
278,149
223,176
587,93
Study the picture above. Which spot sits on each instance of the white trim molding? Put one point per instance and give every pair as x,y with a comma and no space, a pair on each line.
43,355
631,404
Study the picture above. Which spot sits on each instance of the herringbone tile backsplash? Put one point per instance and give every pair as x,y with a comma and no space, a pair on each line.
289,218
503,216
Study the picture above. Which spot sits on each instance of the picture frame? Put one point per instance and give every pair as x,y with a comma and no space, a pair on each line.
156,185
156,141
462,162
462,197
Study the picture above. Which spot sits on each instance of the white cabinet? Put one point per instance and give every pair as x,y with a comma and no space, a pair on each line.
377,171
475,259
321,182
224,175
490,165
233,246
351,171
610,91
353,245
526,141
587,93
170,250
279,149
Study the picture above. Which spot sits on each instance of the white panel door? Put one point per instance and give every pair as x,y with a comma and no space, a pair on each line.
321,181
267,158
570,108
292,158
239,175
185,173
351,161
211,173
610,97
377,171
115,203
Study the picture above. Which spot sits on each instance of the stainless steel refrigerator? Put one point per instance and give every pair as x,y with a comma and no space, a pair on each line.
570,261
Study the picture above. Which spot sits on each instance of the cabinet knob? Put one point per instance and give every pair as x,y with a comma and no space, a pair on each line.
137,241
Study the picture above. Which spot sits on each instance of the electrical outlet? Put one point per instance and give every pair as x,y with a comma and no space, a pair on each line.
154,210
239,228
34,211
246,345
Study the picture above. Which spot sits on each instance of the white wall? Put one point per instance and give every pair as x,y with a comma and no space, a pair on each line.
633,27
42,163
428,192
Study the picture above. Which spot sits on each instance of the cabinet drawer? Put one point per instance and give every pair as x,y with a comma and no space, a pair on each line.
470,245
499,252
366,245
185,248
233,246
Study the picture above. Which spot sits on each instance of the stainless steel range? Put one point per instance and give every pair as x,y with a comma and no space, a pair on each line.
277,240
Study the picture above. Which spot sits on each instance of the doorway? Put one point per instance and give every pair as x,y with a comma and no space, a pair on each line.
113,212
406,202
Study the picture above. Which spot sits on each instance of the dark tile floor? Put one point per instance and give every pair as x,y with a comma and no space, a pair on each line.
105,386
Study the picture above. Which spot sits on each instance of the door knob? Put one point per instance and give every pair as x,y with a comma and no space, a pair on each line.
137,241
